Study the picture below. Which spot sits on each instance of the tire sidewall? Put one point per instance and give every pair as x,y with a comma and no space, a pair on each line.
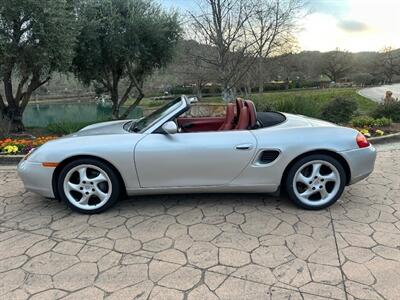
116,189
299,164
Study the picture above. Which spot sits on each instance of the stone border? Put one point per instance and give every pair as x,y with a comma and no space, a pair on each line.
394,137
10,159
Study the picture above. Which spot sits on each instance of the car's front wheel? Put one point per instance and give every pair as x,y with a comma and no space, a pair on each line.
316,181
88,185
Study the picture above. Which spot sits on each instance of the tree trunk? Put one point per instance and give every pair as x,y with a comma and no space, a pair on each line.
260,76
11,121
133,106
115,105
16,124
199,86
228,93
4,124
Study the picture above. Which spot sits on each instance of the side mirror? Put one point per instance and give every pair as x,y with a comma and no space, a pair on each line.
170,127
193,100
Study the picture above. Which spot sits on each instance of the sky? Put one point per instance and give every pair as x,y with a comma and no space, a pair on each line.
352,25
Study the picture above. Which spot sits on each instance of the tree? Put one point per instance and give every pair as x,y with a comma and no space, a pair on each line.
36,38
272,27
222,25
388,64
123,41
336,64
192,69
241,31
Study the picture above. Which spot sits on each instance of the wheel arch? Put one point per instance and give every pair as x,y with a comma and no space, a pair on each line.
333,154
63,163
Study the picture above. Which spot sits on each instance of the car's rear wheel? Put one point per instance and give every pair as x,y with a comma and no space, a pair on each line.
316,181
88,185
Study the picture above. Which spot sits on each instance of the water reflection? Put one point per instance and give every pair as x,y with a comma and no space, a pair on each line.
40,115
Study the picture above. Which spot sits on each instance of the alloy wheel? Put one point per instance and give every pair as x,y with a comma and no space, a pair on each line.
87,187
316,183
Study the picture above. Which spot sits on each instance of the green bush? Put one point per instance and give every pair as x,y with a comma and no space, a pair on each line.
296,105
339,110
390,110
362,121
381,122
366,121
63,128
263,105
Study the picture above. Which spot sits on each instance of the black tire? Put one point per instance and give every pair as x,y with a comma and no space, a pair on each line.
115,191
303,161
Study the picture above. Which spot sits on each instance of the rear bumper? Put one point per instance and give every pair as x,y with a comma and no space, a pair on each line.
361,162
36,178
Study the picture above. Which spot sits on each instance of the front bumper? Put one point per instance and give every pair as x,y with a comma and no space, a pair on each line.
361,162
36,178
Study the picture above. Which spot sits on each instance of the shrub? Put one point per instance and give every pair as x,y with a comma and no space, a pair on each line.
263,105
365,121
362,121
389,110
382,122
339,110
63,128
295,105
298,105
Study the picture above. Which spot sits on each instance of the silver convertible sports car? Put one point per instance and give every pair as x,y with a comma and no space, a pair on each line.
170,152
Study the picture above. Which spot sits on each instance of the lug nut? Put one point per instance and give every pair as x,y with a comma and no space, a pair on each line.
87,193
93,190
83,182
320,186
313,188
81,188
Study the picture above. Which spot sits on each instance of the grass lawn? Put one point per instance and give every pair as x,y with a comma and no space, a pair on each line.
319,97
316,97
307,102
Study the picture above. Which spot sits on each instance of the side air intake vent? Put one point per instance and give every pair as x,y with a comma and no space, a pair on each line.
268,156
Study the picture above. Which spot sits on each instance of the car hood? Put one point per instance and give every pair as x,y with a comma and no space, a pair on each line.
111,127
303,121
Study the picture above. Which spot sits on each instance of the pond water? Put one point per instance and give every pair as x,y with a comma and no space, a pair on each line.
42,114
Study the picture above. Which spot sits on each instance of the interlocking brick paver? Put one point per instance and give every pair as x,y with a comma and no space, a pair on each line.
204,246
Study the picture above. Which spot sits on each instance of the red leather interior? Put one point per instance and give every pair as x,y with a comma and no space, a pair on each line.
229,118
244,119
239,105
195,124
252,113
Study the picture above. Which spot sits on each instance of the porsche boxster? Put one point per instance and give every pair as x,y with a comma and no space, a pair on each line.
169,151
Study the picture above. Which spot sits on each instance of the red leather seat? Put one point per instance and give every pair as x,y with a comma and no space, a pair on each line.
252,113
239,105
230,117
244,118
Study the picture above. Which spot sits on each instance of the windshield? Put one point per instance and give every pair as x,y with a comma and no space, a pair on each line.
146,122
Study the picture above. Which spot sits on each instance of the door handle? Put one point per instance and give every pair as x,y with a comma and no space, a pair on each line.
244,147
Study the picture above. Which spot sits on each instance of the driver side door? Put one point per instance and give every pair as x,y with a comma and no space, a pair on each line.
193,159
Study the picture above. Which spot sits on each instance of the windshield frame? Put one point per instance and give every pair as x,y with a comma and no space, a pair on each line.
182,104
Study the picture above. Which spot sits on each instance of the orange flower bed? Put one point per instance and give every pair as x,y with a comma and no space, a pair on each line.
15,146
